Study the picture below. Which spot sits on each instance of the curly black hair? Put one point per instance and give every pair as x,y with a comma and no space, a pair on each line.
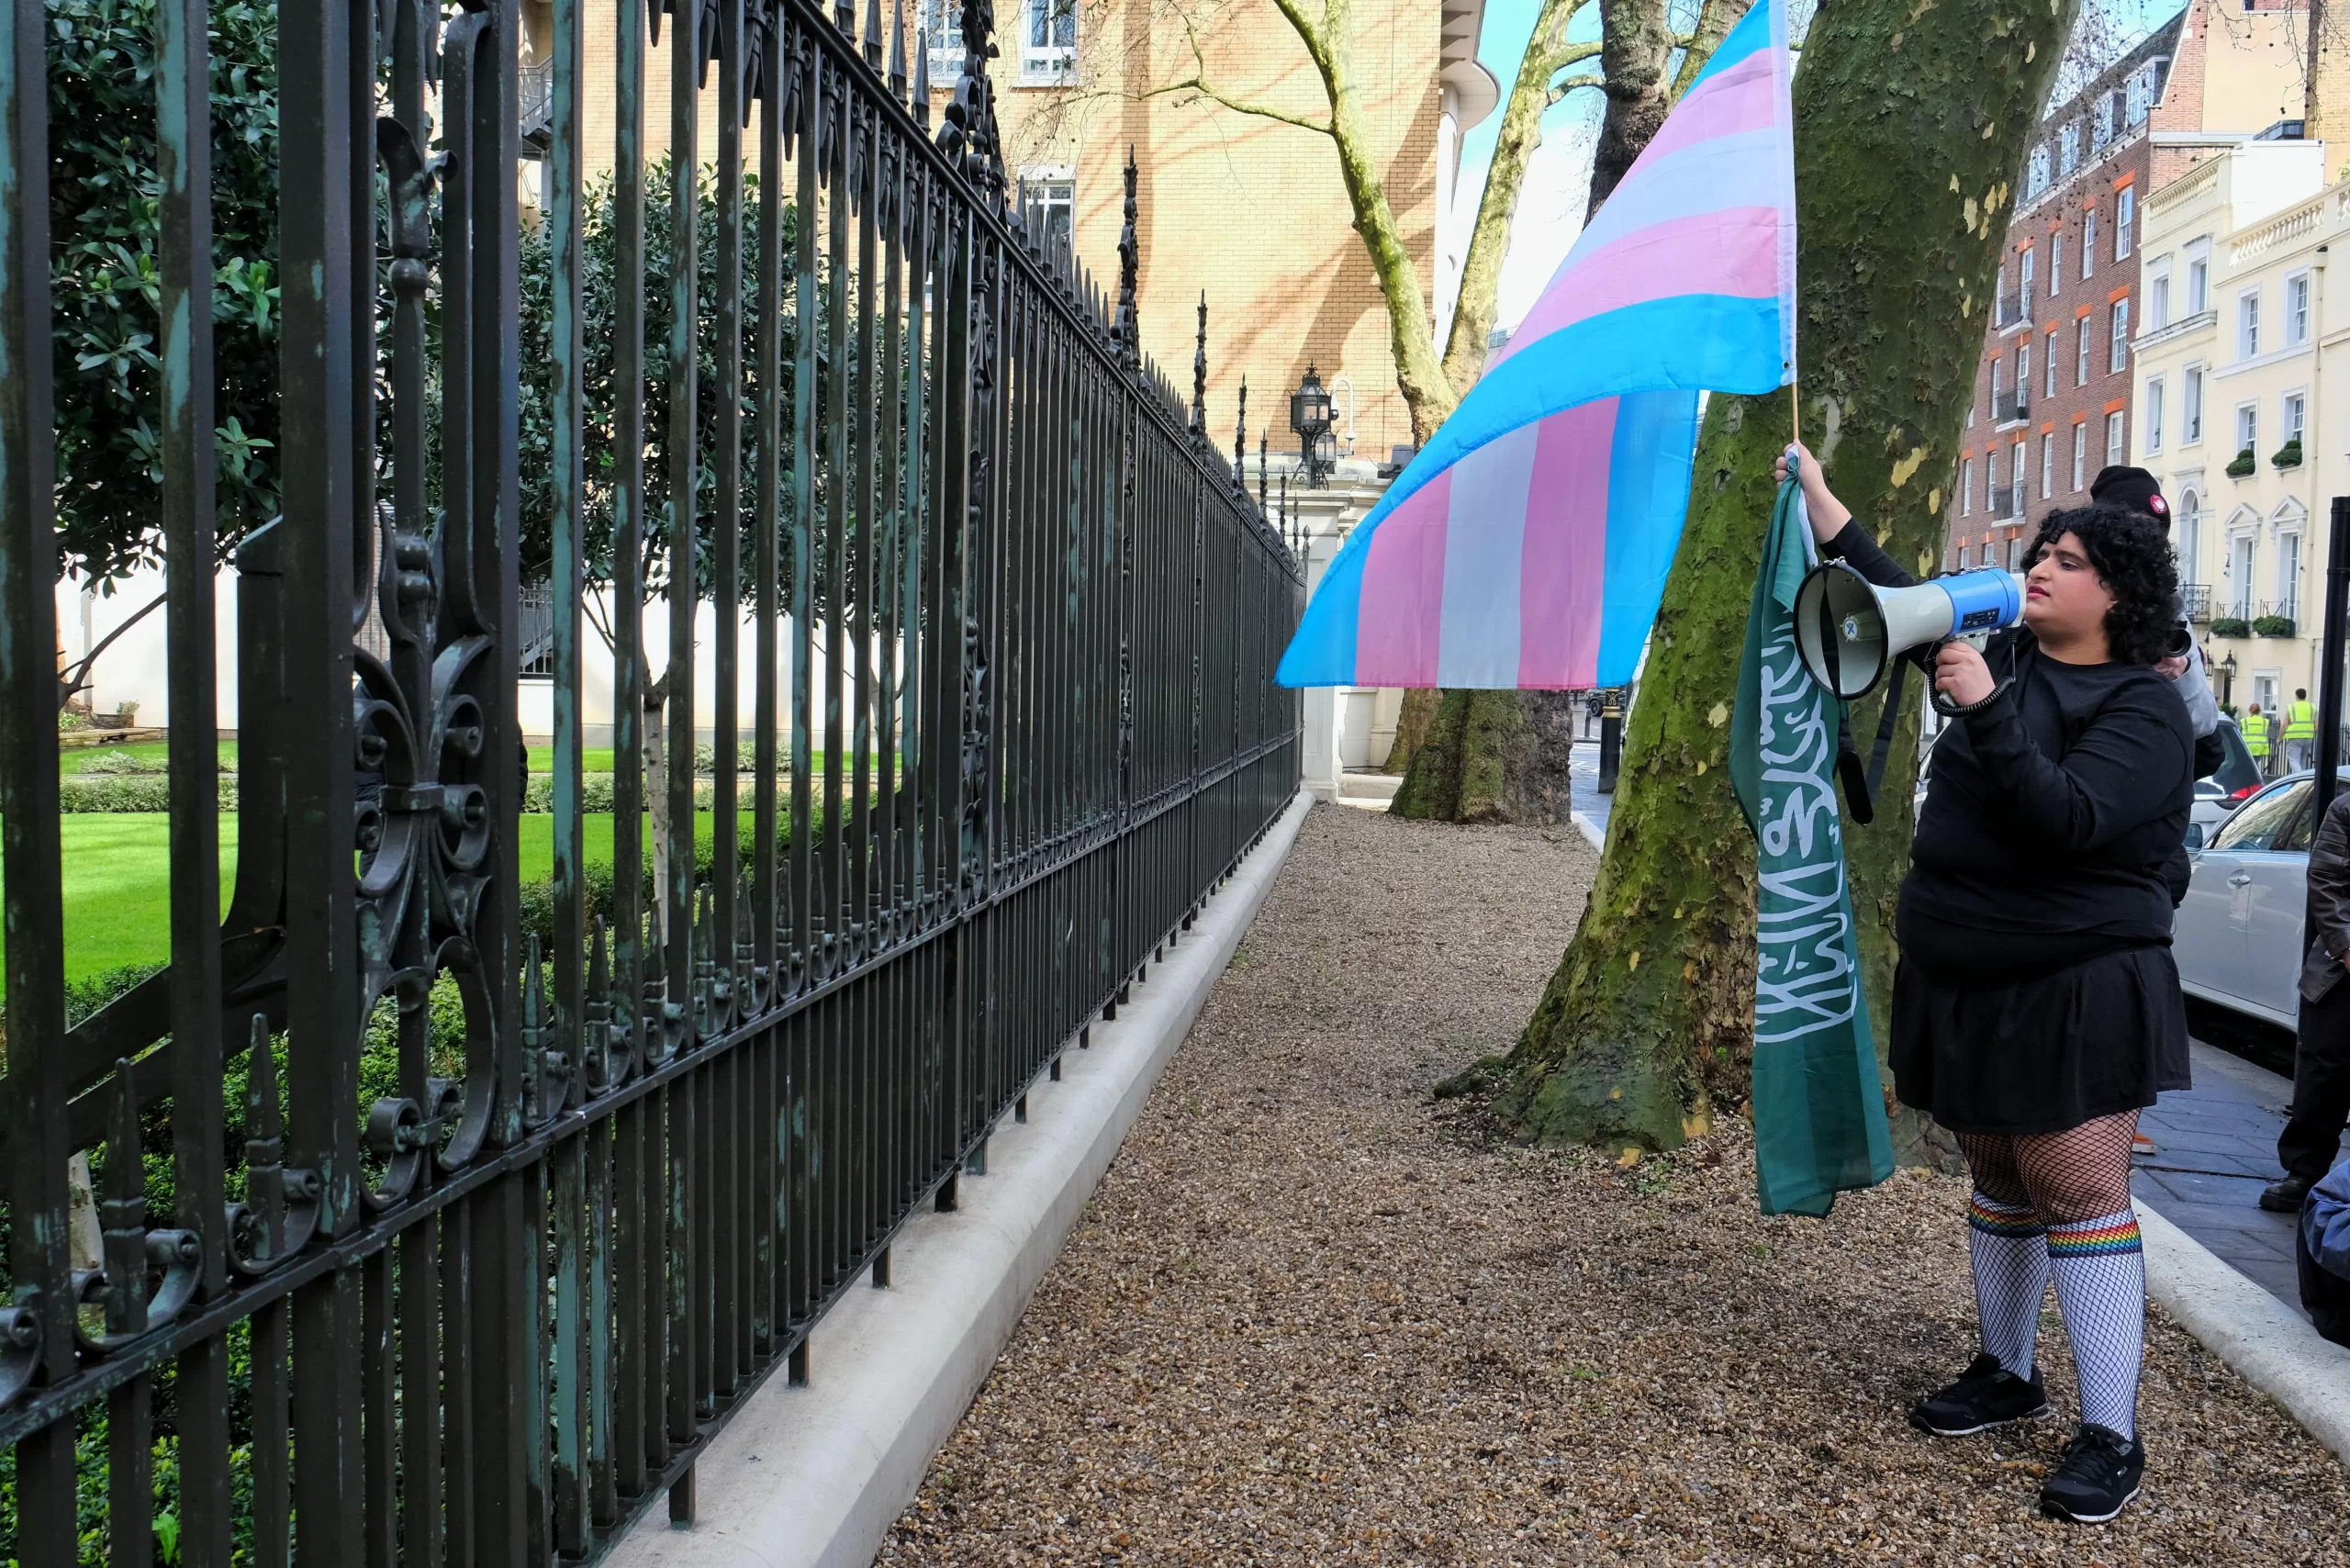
2132,556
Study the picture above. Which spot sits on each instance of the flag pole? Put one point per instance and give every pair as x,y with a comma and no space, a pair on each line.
1795,407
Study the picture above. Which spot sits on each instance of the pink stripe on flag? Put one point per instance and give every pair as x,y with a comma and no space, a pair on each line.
1561,582
1733,251
1399,625
1744,97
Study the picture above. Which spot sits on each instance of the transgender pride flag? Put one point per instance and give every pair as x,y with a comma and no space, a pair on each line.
1527,545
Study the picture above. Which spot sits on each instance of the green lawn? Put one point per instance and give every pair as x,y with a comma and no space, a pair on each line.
117,876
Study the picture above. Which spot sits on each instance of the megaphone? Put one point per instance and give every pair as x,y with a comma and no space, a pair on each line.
1848,631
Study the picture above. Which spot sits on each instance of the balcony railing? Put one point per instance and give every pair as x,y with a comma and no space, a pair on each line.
2197,600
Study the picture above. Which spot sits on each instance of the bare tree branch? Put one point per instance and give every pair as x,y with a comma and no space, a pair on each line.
1197,84
1560,90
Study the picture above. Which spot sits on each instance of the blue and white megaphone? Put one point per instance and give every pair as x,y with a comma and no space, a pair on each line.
1848,631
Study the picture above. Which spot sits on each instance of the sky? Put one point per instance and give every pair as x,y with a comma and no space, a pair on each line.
1550,203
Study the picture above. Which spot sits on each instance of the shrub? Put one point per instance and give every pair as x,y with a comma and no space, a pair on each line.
68,721
2272,626
2231,626
139,791
2289,455
2241,463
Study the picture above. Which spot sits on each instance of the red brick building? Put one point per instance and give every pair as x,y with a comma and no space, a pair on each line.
2051,393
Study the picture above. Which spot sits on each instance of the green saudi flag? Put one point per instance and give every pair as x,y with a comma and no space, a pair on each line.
1819,1123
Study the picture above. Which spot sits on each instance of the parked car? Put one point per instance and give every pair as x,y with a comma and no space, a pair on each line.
2238,937
2235,782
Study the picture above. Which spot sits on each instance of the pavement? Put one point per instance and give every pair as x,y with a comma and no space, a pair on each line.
2217,1142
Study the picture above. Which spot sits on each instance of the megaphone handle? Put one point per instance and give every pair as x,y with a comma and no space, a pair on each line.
1924,652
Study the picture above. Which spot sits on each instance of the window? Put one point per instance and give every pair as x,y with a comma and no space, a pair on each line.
2036,178
2117,451
2296,416
2125,218
2101,125
1051,194
2190,412
1048,52
2052,362
1966,488
2151,421
2081,352
1966,557
2141,95
942,29
2047,465
2157,301
2055,263
1991,497
2198,285
2068,149
2240,575
2016,473
2015,552
2190,516
1997,413
2024,377
2248,324
2248,426
2120,360
2089,243
2288,575
2080,453
2297,309
2030,265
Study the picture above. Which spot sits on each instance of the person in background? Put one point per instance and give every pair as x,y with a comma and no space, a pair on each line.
2255,738
2301,731
2312,1134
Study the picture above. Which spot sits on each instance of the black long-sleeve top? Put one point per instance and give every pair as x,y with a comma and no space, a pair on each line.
2053,812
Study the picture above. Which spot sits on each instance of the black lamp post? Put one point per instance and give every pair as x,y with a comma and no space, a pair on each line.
1309,415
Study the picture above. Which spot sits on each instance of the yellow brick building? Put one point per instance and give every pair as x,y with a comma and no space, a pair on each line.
1250,210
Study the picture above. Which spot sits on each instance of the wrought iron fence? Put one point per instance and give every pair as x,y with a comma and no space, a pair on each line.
528,1196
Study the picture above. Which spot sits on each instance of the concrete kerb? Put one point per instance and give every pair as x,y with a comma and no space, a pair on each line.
2271,1346
1591,831
813,1476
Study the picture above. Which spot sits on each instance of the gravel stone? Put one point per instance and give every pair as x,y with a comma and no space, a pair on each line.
1313,1315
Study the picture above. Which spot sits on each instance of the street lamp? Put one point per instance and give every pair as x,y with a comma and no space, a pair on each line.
1309,415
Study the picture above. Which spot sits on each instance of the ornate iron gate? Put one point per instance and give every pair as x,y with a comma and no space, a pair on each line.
491,1312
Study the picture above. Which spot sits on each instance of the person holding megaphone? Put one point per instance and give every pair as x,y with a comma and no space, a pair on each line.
2036,1008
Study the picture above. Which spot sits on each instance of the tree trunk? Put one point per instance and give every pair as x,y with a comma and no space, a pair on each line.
1634,44
1645,1031
1491,756
1411,727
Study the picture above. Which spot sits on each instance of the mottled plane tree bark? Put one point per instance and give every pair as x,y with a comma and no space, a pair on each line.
1911,120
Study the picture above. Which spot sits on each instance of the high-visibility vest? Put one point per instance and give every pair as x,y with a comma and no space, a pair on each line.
2255,734
2300,725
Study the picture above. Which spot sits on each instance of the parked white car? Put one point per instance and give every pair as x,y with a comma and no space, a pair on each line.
2238,937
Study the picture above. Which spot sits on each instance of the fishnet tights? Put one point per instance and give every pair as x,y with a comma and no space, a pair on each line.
2081,1174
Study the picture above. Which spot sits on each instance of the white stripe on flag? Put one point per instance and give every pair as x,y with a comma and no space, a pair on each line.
1484,541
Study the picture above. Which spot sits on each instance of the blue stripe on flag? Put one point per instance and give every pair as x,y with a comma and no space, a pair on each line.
1648,497
1323,651
1752,34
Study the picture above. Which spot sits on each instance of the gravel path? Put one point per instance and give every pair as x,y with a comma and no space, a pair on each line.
1313,1317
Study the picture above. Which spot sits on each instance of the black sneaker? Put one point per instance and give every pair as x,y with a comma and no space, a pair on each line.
2099,1477
1986,1395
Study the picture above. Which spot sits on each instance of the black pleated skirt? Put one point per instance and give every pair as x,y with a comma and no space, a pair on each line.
2041,1055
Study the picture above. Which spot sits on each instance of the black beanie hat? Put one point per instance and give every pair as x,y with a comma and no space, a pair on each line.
2132,487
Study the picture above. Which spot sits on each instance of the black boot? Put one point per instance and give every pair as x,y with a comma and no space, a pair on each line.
2284,1197
1984,1395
